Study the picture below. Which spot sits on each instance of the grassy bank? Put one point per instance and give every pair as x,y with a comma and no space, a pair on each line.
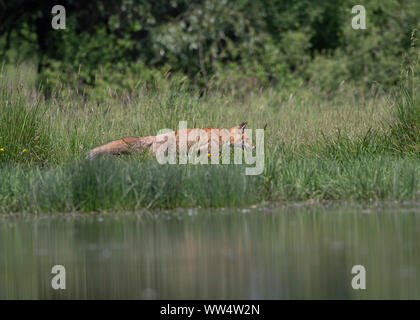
111,184
352,144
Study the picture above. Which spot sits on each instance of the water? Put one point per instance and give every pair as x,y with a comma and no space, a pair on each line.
276,252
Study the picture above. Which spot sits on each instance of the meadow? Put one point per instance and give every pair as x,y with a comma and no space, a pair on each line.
347,144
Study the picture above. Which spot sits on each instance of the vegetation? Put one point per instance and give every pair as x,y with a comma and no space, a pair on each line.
344,146
341,107
122,44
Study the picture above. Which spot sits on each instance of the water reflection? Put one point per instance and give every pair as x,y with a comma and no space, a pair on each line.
269,253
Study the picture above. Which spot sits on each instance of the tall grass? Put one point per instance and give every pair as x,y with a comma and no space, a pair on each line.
294,119
405,131
349,145
114,184
24,135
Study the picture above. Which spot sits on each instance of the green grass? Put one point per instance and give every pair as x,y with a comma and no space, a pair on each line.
24,135
114,184
351,145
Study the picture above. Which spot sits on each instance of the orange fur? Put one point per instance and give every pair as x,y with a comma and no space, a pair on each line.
234,136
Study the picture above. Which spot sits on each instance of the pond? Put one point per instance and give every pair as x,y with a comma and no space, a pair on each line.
287,251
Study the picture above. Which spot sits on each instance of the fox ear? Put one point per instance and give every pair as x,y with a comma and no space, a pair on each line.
243,125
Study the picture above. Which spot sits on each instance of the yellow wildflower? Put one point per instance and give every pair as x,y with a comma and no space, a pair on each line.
24,150
1,149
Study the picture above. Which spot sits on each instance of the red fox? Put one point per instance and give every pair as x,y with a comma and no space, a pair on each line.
234,136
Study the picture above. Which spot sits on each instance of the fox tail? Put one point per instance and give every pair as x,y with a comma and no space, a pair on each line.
121,146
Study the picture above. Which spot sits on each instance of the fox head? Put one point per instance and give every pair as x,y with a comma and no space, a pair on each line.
239,138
